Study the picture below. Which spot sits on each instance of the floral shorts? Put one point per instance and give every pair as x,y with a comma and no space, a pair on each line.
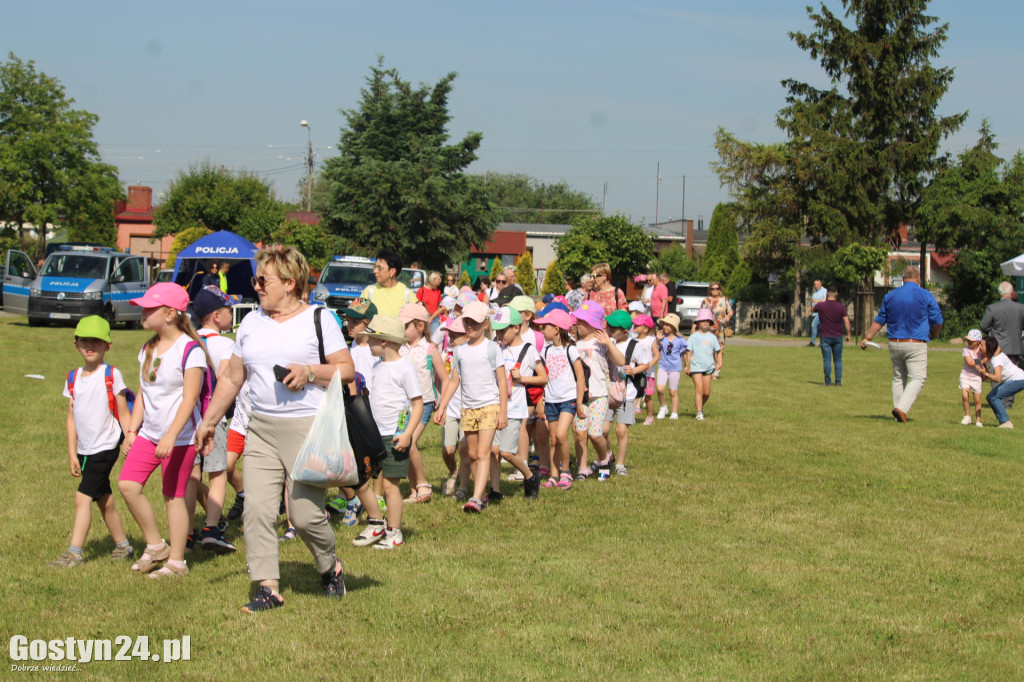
593,422
480,419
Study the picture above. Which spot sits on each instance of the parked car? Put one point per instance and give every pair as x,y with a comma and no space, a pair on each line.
689,296
164,275
345,277
76,281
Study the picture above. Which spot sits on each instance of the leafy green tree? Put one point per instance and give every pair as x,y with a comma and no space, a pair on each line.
316,244
974,207
219,200
183,240
611,239
397,182
554,280
496,268
525,276
676,263
464,280
723,248
863,149
519,198
50,167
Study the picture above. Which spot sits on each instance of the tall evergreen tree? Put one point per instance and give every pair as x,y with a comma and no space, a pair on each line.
723,247
398,183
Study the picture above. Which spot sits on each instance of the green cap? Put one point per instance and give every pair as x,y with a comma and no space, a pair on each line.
620,319
93,327
523,303
505,317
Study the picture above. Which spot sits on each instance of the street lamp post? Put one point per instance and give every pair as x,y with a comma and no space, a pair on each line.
309,166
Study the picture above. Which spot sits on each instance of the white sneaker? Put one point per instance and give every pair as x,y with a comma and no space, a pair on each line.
662,412
978,424
1006,425
515,476
700,416
966,421
374,532
673,416
392,540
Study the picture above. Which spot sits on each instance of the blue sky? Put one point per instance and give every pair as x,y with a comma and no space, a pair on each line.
589,92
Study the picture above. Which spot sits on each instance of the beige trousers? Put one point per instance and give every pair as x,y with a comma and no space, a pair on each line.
271,445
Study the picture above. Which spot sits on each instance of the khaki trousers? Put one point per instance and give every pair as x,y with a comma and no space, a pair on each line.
271,445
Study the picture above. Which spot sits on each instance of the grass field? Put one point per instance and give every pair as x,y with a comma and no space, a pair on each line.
798,533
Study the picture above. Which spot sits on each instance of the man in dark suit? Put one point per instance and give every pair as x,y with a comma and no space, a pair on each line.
1004,320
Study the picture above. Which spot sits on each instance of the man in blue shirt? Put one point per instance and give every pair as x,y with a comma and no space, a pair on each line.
911,317
817,297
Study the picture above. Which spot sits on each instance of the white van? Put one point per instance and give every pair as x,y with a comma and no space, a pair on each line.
75,282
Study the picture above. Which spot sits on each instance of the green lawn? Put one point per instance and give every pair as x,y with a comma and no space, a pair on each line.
797,533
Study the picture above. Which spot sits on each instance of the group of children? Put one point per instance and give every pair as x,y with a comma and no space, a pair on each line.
508,384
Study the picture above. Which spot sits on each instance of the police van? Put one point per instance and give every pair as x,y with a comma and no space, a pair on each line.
74,282
344,278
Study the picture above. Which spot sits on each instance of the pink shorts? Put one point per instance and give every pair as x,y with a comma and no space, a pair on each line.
142,461
650,386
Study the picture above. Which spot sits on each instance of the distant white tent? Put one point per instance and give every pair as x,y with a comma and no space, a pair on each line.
1015,267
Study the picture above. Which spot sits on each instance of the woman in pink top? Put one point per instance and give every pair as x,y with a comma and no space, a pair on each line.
604,292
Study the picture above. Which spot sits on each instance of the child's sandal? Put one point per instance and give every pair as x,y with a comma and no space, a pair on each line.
168,571
565,481
151,558
550,483
427,496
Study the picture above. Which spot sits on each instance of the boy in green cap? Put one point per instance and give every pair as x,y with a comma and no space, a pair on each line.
97,420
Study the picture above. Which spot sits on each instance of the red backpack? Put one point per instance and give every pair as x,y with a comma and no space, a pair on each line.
108,379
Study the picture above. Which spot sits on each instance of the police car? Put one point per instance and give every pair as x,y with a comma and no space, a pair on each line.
74,282
344,278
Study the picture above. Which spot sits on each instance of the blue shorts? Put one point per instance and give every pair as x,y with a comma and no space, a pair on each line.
428,409
552,410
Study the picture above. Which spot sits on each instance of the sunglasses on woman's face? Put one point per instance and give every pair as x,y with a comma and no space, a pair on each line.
500,281
153,368
261,281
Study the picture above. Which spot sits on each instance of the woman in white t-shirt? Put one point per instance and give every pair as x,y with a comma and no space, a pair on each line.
172,368
1007,380
282,334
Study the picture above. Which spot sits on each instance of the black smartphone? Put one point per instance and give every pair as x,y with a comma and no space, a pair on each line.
280,372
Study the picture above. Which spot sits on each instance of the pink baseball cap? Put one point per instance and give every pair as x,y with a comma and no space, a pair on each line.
643,321
591,313
165,293
456,327
559,318
478,311
413,311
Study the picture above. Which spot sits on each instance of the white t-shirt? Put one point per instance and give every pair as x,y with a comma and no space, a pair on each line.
517,407
95,426
1011,372
364,362
648,345
394,385
262,342
243,406
163,397
476,366
417,354
639,357
558,361
220,348
595,355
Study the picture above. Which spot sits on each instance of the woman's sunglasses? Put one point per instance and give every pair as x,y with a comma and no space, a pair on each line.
262,280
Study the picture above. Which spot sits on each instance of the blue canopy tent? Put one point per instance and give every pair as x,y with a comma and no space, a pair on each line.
219,246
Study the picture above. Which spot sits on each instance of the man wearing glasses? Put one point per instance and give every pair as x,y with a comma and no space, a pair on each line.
388,294
510,277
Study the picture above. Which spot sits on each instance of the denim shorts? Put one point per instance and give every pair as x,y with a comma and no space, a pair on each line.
552,410
428,409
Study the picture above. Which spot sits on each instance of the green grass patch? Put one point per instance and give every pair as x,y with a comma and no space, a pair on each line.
798,533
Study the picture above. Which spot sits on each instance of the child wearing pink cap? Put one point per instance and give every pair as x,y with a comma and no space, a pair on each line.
563,394
163,424
643,328
595,348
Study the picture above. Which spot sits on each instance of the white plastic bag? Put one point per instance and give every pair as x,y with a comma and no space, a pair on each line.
326,459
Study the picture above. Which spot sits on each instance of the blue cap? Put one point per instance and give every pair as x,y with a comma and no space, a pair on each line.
553,306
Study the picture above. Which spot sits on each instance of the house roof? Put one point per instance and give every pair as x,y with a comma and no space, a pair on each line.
535,229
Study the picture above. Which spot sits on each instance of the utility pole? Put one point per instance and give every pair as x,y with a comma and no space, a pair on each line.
657,194
309,166
604,199
682,224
